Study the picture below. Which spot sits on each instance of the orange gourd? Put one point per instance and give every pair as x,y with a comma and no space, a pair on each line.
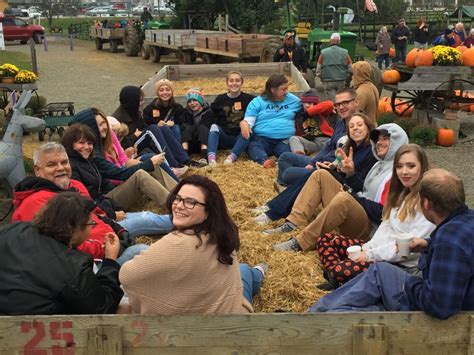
461,48
468,57
424,58
391,76
410,59
391,53
445,137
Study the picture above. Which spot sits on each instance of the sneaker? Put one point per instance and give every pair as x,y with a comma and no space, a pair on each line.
289,245
328,285
262,220
197,164
228,161
203,161
286,227
269,163
262,267
279,188
212,163
259,210
180,171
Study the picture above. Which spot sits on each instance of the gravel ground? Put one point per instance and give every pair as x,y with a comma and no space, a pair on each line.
94,78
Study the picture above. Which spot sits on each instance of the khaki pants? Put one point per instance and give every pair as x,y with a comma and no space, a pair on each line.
340,210
156,188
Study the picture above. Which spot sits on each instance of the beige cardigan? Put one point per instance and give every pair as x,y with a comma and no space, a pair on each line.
175,277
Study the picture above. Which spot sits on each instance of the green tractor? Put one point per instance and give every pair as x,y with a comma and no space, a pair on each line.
134,35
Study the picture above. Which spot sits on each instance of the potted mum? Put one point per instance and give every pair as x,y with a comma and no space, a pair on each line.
9,71
25,77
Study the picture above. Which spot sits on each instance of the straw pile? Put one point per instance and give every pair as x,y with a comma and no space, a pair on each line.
290,282
255,84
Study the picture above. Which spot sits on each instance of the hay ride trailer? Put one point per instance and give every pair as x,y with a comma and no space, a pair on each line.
107,35
201,72
165,41
326,333
431,90
230,47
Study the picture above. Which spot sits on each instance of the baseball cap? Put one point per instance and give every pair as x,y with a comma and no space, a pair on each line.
374,135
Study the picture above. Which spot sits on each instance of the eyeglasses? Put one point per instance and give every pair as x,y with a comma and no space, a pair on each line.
342,103
91,223
188,203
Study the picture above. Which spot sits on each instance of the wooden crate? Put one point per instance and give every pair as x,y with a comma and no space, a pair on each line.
190,72
408,333
175,39
106,33
232,45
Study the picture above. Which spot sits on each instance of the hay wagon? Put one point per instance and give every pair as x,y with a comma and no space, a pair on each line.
432,89
107,35
166,41
408,333
56,115
201,72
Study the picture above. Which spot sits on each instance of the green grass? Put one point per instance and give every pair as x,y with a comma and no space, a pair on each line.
21,60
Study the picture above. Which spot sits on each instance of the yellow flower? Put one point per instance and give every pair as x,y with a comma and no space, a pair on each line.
25,76
9,69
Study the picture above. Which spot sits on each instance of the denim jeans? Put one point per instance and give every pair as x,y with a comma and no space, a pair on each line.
251,280
218,139
380,288
140,223
383,58
176,129
163,166
130,252
400,54
289,167
281,205
260,148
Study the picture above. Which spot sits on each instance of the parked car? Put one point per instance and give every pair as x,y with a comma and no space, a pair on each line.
162,10
15,29
99,11
16,12
138,10
34,12
120,13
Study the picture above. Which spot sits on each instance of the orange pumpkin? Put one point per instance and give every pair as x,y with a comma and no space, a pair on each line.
384,104
461,48
391,53
468,57
404,110
445,137
472,108
410,59
391,76
424,58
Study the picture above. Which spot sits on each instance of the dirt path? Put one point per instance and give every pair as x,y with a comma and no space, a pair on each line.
94,78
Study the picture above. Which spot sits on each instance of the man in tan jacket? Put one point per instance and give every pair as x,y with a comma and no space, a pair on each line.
367,93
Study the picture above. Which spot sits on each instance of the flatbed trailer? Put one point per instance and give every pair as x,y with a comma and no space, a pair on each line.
113,36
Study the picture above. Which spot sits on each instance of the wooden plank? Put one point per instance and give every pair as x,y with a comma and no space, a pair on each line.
470,348
104,339
369,339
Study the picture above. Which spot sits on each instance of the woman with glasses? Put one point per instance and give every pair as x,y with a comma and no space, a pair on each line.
43,273
195,268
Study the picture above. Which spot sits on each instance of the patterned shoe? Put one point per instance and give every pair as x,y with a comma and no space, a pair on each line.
286,227
289,245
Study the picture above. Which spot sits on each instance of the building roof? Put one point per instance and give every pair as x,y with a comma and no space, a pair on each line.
467,11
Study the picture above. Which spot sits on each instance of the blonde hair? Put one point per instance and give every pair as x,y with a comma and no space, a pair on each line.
236,72
399,196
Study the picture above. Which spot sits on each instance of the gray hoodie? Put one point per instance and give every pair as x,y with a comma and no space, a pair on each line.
382,170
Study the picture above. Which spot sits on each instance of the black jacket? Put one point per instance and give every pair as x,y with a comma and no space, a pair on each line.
107,169
42,276
297,55
228,111
154,112
205,117
400,32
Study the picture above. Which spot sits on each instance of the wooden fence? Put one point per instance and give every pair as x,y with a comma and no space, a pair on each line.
337,333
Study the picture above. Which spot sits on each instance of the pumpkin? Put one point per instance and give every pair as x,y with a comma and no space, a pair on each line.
391,52
445,137
461,49
424,58
468,57
403,109
410,59
384,104
391,76
472,108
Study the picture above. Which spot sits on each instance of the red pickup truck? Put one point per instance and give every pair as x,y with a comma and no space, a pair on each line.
15,29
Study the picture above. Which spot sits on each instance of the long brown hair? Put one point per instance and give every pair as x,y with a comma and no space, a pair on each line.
107,143
370,126
399,196
273,81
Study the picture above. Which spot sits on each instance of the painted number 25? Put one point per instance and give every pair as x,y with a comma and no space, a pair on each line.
64,346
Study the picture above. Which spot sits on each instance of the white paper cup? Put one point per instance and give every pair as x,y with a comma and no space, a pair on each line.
403,242
354,252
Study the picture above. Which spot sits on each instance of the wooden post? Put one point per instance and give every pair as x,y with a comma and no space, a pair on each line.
34,62
104,339
470,345
369,339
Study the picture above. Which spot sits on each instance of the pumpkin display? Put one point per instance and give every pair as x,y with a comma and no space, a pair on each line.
410,59
391,76
468,57
461,48
445,137
391,52
424,58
